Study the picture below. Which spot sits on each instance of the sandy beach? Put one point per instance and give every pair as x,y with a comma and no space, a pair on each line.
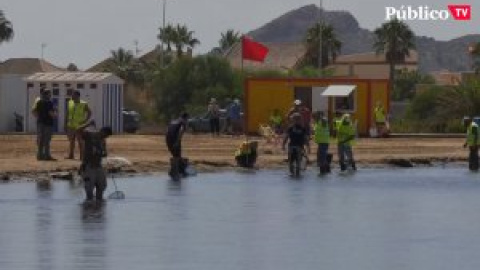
148,153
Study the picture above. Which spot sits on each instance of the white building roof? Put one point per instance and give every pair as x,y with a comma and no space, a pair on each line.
71,77
338,90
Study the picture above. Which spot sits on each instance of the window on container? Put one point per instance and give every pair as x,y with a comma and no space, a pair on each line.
93,86
69,92
80,86
55,92
345,104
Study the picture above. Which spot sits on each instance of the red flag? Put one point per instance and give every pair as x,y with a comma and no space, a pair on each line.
252,50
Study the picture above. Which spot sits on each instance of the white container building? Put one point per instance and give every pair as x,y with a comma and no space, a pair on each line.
102,91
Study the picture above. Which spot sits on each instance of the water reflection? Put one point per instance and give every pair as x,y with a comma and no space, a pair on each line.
409,219
45,224
92,239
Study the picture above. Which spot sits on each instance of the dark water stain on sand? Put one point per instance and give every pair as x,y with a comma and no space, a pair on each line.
375,219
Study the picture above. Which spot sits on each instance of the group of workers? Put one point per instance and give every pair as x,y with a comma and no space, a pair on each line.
81,128
299,132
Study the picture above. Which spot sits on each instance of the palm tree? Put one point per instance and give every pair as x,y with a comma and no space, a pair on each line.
395,39
331,46
72,67
183,37
6,29
122,62
228,39
167,35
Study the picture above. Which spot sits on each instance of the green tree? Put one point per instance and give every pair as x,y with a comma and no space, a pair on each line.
331,46
228,39
187,85
6,28
475,54
406,81
167,36
461,100
395,39
183,38
72,67
122,63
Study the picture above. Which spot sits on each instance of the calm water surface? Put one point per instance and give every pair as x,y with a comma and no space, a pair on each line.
375,219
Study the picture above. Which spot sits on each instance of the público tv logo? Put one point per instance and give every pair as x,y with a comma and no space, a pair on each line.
425,13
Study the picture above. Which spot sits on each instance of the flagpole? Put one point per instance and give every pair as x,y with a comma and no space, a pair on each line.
242,74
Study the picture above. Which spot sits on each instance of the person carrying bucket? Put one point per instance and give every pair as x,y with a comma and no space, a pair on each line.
472,141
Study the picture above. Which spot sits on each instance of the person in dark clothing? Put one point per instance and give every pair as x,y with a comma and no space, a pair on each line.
472,141
297,137
214,116
46,114
173,138
92,171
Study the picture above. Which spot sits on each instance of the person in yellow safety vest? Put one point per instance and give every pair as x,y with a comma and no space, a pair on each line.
276,122
336,122
472,141
345,141
77,117
380,119
322,139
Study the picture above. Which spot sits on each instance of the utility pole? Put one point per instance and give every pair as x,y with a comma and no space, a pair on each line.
163,29
137,50
320,25
43,45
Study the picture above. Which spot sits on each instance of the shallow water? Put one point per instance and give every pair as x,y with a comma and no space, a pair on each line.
374,219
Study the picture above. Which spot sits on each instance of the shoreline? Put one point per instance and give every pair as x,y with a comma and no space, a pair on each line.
148,169
149,155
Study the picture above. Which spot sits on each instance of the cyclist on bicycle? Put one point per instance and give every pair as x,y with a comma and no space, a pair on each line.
297,137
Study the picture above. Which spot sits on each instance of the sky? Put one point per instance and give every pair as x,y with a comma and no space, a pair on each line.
85,31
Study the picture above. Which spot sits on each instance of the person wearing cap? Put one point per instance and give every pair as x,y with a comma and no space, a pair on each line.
173,138
472,141
213,112
345,141
46,114
306,115
321,137
77,114
297,137
380,119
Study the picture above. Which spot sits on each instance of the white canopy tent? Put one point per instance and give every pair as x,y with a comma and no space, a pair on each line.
338,90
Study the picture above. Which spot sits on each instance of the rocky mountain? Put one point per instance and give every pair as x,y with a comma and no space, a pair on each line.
433,55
